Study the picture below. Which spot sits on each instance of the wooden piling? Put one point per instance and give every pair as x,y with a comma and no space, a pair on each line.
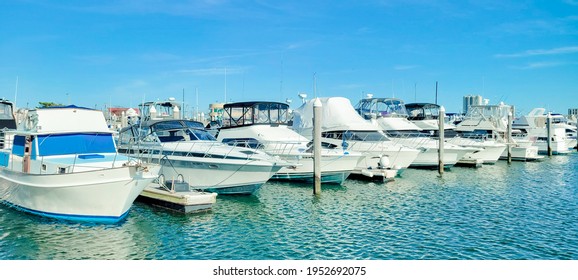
509,140
441,118
549,133
317,113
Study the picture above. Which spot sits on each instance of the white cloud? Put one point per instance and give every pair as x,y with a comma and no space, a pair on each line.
538,65
555,51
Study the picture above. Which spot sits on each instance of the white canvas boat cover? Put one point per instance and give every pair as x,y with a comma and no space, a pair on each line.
338,114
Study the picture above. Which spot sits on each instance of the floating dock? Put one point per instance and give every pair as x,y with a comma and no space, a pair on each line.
178,197
377,174
470,162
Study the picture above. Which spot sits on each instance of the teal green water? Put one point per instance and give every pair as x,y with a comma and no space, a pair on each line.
518,211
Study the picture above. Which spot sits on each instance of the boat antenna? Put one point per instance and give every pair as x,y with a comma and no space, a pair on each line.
436,92
16,92
225,84
315,84
183,109
415,92
281,83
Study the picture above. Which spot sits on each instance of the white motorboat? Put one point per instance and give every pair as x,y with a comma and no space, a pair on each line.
187,152
491,122
533,127
62,163
341,126
264,125
391,116
426,117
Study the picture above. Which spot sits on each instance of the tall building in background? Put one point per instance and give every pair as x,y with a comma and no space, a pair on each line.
470,100
573,112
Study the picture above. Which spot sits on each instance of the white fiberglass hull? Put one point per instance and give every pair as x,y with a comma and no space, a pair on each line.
334,169
99,196
489,152
398,156
523,153
222,176
557,147
428,157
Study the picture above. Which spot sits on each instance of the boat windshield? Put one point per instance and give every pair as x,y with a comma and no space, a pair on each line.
488,112
417,112
381,107
6,112
249,113
375,136
177,130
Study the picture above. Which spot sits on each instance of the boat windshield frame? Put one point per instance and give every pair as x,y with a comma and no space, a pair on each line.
422,111
381,108
255,113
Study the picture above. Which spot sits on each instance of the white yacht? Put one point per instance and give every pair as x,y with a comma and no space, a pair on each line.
62,162
533,127
391,116
187,152
343,127
265,125
491,122
425,116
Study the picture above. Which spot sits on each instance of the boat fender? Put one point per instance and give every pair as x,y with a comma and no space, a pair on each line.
384,162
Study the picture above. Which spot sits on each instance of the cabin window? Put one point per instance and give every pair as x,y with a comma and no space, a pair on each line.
18,146
63,144
6,112
61,170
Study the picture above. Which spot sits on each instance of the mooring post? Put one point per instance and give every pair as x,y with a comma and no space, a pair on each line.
509,141
441,119
317,113
549,130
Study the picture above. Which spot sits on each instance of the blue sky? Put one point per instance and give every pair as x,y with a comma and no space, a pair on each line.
95,53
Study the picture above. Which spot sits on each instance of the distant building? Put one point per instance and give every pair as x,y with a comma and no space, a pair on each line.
573,112
216,111
119,117
470,100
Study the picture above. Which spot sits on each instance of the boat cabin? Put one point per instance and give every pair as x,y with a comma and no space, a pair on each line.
53,140
255,113
164,131
422,111
7,119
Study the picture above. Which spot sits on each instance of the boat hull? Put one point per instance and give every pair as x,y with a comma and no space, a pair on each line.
334,169
523,153
489,152
103,196
222,176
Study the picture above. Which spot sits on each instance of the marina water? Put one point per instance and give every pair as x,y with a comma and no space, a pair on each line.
526,210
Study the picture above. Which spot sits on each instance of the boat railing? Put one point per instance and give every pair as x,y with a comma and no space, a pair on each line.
271,147
410,139
75,166
155,152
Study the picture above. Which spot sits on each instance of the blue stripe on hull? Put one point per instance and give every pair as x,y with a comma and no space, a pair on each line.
71,217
